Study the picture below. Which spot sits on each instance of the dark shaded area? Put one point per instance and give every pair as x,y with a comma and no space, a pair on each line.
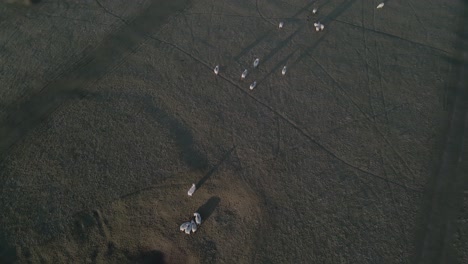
8,253
282,44
251,46
444,195
140,257
35,1
181,134
327,19
337,11
185,141
270,33
215,168
450,91
31,111
147,257
111,248
207,209
85,222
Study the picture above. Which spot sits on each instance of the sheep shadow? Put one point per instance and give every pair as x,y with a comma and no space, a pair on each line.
207,209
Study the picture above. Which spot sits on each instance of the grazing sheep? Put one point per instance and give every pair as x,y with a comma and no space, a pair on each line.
252,86
194,226
188,229
318,26
197,218
256,62
244,74
192,189
184,226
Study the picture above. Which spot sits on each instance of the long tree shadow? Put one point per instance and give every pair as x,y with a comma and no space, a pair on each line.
207,209
26,116
181,134
215,168
28,113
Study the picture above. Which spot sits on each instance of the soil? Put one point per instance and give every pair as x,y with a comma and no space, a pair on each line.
110,110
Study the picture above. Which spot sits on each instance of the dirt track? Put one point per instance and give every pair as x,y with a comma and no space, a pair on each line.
110,110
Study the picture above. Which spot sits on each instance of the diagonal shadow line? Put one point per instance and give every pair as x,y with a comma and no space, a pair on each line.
263,37
276,67
335,13
112,50
178,131
215,168
282,44
252,45
308,50
338,11
286,119
331,16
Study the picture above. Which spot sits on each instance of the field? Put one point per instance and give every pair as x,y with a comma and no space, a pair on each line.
110,110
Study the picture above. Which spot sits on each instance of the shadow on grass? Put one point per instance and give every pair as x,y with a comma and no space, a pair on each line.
149,257
180,132
215,168
7,252
28,112
207,209
443,199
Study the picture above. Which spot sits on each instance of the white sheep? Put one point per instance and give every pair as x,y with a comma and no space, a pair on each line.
318,26
252,86
244,74
192,189
256,62
194,226
184,226
188,229
197,218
